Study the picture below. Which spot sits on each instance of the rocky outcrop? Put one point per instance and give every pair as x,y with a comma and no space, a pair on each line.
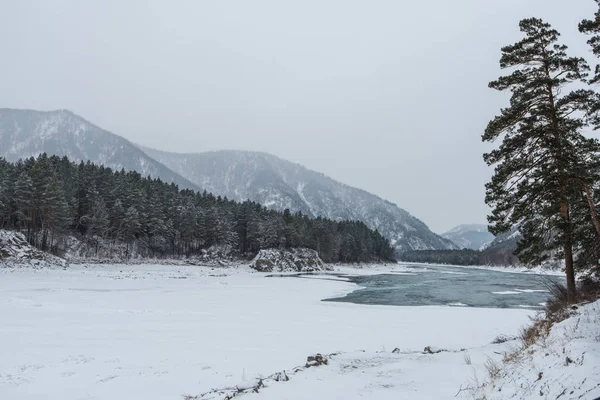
15,251
293,260
316,360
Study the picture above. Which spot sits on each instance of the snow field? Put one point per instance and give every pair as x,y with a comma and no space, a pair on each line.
160,332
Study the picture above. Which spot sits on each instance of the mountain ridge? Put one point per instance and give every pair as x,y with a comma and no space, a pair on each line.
28,133
236,174
233,173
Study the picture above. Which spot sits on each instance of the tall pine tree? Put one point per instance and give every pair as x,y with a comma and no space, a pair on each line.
543,158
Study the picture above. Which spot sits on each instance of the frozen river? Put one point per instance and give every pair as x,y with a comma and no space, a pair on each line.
419,285
161,332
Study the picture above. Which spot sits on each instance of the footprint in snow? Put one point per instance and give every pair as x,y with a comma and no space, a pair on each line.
108,378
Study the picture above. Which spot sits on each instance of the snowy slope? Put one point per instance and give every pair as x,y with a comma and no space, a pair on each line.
27,133
470,236
564,364
261,177
280,184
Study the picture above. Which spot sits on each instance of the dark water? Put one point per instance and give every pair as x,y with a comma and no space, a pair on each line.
416,285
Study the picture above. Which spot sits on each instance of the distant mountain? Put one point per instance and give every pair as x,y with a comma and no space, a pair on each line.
501,250
470,236
27,133
239,175
280,184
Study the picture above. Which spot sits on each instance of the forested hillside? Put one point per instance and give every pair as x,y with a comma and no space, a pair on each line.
52,198
280,184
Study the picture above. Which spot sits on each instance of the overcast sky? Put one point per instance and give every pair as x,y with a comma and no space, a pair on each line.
388,96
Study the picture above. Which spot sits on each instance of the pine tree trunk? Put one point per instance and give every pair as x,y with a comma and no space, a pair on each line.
564,204
568,249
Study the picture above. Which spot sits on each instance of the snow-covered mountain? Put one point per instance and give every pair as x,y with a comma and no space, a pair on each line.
27,133
280,184
470,236
501,250
239,175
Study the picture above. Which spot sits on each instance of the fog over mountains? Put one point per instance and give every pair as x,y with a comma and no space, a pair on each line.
240,175
470,236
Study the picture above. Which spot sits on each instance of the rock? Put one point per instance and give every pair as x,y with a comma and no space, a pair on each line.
250,386
15,251
292,260
280,377
432,350
316,360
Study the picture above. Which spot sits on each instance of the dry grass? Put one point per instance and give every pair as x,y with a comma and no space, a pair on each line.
556,310
557,305
493,369
512,357
588,290
538,330
502,339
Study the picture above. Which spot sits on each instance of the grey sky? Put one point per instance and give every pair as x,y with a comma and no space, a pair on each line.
389,96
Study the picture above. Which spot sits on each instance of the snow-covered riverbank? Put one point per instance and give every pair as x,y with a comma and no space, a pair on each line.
160,332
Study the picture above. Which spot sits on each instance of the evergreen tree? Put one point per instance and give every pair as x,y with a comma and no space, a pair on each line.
5,192
98,205
98,222
23,198
543,157
592,27
131,224
57,211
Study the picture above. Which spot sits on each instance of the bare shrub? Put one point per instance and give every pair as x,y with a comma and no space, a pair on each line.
467,358
589,289
557,305
538,330
493,369
511,356
503,339
558,308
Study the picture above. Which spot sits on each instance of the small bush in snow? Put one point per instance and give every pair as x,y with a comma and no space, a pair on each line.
467,358
557,304
531,334
493,369
503,339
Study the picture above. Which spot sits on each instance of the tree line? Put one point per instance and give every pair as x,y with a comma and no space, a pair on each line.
450,257
547,167
501,255
50,199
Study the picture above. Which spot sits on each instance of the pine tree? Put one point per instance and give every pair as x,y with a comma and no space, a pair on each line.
188,225
131,226
543,157
5,192
57,211
94,203
592,27
98,222
23,198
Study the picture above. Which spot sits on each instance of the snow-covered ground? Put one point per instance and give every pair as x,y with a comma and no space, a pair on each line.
160,332
565,363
